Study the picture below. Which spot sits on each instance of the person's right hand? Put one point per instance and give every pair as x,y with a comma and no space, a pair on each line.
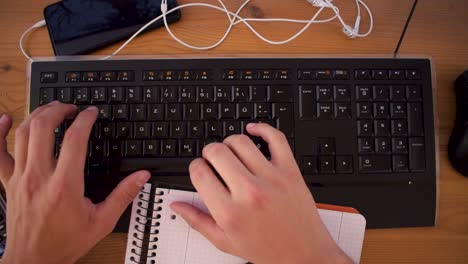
266,213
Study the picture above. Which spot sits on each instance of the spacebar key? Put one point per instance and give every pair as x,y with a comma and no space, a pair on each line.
156,166
375,164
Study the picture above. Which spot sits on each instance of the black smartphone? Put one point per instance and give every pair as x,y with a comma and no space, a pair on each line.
77,27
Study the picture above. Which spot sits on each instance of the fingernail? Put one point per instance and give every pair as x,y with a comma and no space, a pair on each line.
143,178
2,118
92,108
251,125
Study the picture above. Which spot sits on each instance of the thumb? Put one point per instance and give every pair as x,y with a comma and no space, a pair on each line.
6,161
110,210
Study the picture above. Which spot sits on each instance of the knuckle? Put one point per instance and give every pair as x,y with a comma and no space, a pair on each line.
21,131
280,136
255,196
39,122
239,139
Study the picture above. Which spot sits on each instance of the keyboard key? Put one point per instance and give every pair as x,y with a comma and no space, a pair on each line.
248,75
81,95
305,75
413,75
280,93
262,110
324,93
375,164
326,146
142,130
209,111
72,77
156,112
231,128
399,128
413,93
65,95
213,129
397,93
342,93
396,74
381,128
169,94
379,75
417,154
223,93
97,148
188,148
284,113
307,107
283,75
151,148
366,145
415,119
151,76
398,110
173,112
327,164
133,148
364,128
169,147
160,130
178,130
47,95
115,149
138,112
196,129
187,94
400,163
124,130
126,76
188,75
325,111
265,75
400,145
245,110
344,164
309,165
98,95
364,110
363,92
231,75
227,111
151,94
258,93
107,76
134,95
191,112
323,74
381,92
104,111
381,110
204,75
342,111
205,94
341,74
383,145
116,94
362,74
261,145
106,130
90,77
170,75
241,93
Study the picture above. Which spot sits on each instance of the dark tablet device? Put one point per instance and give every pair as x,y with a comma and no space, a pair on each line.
77,27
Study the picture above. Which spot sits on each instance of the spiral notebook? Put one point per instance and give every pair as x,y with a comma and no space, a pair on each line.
157,236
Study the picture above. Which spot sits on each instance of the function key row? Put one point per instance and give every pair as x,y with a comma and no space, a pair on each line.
233,74
104,76
365,74
177,75
168,94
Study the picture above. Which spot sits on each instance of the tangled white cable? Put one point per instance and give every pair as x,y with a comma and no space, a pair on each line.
235,19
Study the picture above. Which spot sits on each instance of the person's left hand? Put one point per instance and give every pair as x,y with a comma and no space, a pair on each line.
48,218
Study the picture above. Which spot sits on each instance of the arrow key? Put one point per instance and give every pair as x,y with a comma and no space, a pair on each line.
309,165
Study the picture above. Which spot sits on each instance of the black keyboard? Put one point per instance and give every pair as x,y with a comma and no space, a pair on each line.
362,130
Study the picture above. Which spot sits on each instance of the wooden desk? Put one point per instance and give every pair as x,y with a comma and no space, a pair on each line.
437,29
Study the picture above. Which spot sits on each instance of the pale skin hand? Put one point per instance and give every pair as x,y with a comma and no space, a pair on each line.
266,214
49,220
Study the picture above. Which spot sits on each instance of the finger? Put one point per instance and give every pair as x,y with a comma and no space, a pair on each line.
75,146
249,154
281,154
203,223
41,136
6,161
229,167
209,187
22,138
109,211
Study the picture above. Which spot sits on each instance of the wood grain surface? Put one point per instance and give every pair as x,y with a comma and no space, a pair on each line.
438,29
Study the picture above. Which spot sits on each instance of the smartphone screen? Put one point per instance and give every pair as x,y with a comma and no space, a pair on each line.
79,26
